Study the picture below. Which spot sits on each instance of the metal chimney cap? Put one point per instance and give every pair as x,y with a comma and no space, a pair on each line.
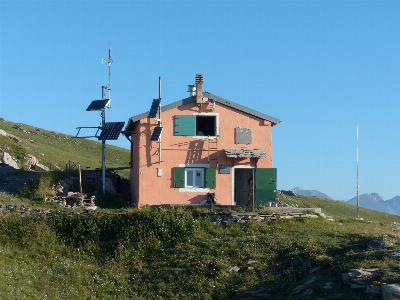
199,78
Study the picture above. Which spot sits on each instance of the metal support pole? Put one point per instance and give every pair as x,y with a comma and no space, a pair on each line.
159,118
103,154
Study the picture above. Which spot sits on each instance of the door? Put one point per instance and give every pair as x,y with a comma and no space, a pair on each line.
265,186
243,186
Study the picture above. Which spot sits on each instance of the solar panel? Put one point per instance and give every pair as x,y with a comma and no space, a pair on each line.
156,134
154,108
98,105
111,131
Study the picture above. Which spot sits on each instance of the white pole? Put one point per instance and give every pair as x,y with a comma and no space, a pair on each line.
358,215
159,117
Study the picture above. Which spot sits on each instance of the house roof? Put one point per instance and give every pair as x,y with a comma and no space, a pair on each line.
210,96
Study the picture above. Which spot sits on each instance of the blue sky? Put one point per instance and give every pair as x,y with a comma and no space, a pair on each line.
322,67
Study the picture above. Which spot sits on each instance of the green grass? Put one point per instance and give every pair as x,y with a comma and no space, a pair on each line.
169,254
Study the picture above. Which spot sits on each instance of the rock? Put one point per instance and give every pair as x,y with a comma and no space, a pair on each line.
314,269
394,255
30,160
307,292
373,290
357,286
18,127
7,159
395,226
40,167
380,242
360,276
299,288
391,291
3,133
251,261
234,269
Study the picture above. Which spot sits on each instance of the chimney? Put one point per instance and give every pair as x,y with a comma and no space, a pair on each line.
199,91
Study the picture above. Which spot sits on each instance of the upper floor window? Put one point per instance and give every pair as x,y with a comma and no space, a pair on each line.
196,125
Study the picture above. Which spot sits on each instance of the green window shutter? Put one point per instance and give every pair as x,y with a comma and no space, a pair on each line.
265,186
210,177
179,177
185,125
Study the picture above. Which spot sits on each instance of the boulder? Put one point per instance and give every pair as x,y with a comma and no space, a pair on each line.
391,291
39,167
380,242
7,159
30,160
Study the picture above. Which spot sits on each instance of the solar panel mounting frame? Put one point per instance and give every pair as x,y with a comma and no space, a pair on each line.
155,136
111,131
97,105
154,108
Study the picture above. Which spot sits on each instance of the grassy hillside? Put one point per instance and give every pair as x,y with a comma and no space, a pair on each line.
57,149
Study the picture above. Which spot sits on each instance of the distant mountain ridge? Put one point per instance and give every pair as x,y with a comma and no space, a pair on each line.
311,193
371,201
376,202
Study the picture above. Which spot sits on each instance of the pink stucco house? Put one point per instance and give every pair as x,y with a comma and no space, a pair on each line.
203,145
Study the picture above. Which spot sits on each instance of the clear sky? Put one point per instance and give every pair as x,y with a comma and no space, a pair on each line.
322,67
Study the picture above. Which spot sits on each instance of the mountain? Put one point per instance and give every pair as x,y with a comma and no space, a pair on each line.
394,204
315,193
375,202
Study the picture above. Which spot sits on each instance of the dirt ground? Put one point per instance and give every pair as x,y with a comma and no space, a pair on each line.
11,179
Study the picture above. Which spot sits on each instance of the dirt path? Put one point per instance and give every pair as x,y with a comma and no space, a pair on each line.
11,179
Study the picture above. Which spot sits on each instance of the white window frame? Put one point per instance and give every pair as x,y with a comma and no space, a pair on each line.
194,170
194,167
216,115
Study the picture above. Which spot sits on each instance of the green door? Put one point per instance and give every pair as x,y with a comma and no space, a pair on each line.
265,186
185,125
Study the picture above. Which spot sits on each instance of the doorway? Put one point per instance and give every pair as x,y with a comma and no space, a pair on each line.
244,186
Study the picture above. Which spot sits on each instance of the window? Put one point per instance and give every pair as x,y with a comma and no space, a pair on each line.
197,125
194,177
205,126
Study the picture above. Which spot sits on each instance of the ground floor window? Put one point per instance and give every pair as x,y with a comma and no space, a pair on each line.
194,178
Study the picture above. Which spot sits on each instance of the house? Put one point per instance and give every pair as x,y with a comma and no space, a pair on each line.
201,147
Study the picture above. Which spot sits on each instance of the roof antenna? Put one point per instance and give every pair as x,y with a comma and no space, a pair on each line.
109,62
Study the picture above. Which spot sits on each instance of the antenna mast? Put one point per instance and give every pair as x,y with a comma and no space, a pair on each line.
103,121
109,62
358,215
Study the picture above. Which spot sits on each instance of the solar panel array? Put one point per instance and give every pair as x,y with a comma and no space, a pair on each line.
111,131
98,105
156,134
154,108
